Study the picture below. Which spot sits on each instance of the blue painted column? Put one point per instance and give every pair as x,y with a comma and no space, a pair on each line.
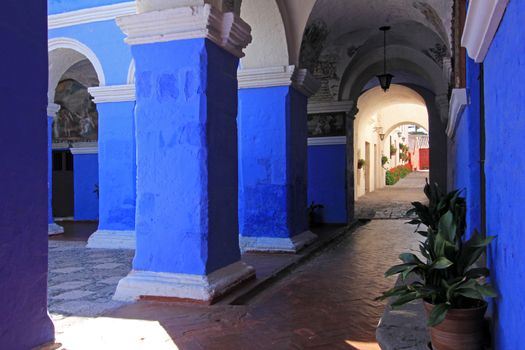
52,227
117,167
273,159
185,117
24,321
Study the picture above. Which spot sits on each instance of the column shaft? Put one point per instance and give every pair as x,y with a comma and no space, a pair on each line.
186,216
117,168
273,163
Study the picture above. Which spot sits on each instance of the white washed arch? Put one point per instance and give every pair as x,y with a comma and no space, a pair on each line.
63,54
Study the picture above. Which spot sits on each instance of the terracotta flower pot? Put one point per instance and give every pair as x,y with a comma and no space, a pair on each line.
462,329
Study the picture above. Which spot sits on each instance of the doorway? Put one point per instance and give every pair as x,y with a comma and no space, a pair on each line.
63,184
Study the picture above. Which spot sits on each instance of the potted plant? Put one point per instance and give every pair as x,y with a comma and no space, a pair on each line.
393,150
384,160
449,281
361,163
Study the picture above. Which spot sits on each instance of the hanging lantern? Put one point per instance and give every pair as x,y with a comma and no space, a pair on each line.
385,79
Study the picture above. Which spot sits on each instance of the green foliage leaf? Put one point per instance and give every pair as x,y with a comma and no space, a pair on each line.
441,263
487,291
394,270
409,258
405,299
438,314
477,273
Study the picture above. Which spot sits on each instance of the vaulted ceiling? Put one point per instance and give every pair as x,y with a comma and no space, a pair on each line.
342,44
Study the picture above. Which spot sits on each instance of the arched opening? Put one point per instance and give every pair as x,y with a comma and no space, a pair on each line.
376,145
73,68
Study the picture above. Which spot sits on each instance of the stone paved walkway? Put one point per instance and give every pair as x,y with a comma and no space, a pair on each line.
392,202
325,304
82,281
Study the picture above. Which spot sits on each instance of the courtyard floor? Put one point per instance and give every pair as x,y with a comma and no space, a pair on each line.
326,302
392,202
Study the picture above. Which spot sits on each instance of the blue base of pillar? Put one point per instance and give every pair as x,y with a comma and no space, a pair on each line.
108,239
139,284
54,229
277,245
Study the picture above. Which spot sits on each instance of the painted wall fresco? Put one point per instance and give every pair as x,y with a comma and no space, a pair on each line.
327,124
77,119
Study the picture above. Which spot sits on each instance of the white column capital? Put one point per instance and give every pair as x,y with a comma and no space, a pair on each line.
300,79
226,29
481,25
52,109
158,5
330,107
84,150
305,82
458,102
113,93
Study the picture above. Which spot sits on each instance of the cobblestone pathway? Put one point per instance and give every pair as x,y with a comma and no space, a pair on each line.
392,202
82,281
327,303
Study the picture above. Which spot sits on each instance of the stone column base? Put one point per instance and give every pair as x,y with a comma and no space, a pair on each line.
106,239
276,245
147,284
54,229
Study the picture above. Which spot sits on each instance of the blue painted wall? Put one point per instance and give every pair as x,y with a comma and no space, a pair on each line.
86,180
505,164
327,181
117,173
59,6
186,157
272,162
467,149
24,322
106,40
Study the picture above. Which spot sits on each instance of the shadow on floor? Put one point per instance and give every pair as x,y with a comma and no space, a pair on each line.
76,230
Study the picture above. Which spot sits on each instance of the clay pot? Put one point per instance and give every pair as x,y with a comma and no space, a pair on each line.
462,329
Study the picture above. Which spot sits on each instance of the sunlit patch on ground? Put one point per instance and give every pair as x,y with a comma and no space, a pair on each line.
86,333
363,345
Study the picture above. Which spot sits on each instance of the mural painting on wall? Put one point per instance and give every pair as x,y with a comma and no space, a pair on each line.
326,124
77,119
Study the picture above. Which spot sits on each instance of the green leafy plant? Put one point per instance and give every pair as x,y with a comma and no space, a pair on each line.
361,163
397,173
384,160
447,271
393,150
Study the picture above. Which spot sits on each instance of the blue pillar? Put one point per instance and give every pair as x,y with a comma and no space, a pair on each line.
186,92
24,321
273,160
117,167
52,227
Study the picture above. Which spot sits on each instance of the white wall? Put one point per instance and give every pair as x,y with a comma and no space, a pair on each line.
387,112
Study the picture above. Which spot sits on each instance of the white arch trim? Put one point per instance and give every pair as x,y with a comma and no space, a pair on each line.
407,122
131,72
72,44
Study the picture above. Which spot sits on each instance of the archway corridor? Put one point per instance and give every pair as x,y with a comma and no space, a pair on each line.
220,127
